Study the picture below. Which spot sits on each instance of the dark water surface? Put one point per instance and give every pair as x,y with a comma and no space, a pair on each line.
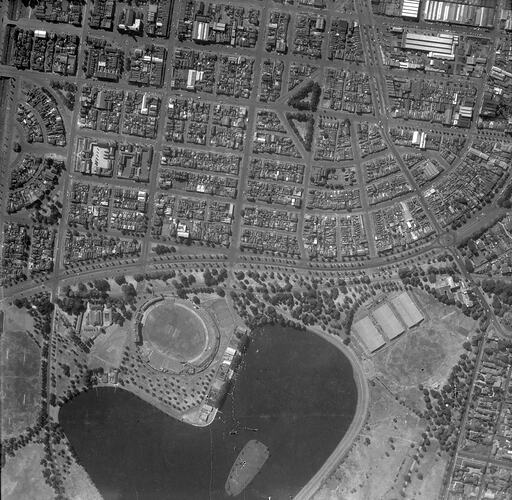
294,387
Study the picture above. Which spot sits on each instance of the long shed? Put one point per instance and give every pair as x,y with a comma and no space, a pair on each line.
407,310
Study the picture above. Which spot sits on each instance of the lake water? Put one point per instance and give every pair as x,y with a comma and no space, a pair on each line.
294,387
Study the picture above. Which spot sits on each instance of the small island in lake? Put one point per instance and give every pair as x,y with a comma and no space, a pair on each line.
247,465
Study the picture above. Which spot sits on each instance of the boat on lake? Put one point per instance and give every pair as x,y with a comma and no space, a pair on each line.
247,465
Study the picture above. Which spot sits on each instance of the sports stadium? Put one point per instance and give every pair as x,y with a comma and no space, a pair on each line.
177,337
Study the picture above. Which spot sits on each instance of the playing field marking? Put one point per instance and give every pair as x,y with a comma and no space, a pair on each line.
174,331
447,315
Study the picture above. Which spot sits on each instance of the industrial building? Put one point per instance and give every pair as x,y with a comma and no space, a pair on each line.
410,9
499,73
441,46
200,31
419,139
444,11
387,320
95,157
368,334
194,76
407,310
102,158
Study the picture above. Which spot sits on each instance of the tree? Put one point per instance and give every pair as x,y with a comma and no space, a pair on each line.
129,292
120,280
209,280
469,265
82,290
162,249
20,303
101,285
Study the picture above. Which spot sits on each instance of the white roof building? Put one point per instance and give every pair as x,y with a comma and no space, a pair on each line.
368,334
411,9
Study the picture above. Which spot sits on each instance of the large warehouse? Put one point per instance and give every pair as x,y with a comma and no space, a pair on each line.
387,320
407,310
410,9
441,45
368,334
461,12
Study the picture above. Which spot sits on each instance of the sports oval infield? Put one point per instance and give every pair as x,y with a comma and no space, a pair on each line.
176,331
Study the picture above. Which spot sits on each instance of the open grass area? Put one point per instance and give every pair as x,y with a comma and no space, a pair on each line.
386,461
428,478
382,455
17,319
79,485
175,330
22,476
223,315
108,347
20,385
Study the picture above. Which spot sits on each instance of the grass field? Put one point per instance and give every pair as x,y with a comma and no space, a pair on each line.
22,477
17,319
108,347
20,385
381,456
78,484
175,331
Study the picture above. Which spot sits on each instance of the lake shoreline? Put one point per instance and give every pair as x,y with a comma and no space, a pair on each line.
296,411
363,403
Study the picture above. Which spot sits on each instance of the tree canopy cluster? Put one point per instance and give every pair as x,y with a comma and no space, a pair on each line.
307,98
307,118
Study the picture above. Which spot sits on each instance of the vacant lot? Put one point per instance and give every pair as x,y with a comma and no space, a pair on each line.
19,367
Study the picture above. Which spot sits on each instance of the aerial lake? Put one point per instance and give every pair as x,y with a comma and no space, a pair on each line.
295,388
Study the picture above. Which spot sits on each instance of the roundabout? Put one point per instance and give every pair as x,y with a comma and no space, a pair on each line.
177,337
